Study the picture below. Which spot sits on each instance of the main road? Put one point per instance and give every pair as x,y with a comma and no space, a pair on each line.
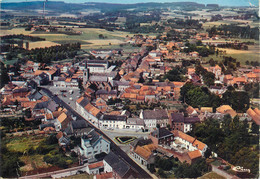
116,149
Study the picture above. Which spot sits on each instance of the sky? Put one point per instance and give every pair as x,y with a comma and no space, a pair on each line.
220,2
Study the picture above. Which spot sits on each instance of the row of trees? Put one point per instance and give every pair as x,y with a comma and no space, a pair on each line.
235,31
184,24
8,38
237,46
54,53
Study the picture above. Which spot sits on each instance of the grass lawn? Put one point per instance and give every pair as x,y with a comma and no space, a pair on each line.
211,175
21,144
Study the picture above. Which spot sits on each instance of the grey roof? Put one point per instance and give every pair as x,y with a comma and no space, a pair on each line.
98,78
121,83
77,127
161,132
118,165
101,92
57,78
84,102
64,140
112,92
51,105
93,137
135,121
19,90
79,124
96,61
179,117
155,114
35,95
113,117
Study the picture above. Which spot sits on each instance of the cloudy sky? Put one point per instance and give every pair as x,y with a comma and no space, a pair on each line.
220,2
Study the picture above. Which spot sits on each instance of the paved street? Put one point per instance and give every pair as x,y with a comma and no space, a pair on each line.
141,172
66,96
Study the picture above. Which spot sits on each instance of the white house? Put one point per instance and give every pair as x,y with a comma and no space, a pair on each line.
93,144
95,168
153,117
112,121
87,110
190,142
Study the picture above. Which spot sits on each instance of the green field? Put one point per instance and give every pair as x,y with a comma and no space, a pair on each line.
241,57
22,144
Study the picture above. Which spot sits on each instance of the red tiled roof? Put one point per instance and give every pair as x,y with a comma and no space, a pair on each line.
96,165
194,154
105,175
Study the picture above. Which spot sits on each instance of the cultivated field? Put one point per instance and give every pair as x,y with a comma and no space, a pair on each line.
41,44
102,42
14,31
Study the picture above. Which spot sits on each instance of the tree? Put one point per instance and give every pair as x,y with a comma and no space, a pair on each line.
238,100
209,78
4,78
101,36
212,62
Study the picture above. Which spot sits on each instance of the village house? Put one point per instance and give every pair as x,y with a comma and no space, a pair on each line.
226,109
77,128
153,117
190,143
179,122
144,154
95,168
87,110
113,121
92,144
161,136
